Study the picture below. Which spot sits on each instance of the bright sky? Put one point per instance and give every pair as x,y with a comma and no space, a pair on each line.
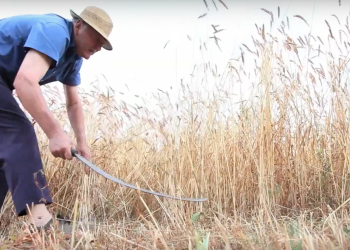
142,28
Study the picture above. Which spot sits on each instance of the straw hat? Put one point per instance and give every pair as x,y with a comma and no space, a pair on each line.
97,19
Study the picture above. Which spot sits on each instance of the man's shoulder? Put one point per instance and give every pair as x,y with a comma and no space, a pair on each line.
21,25
35,18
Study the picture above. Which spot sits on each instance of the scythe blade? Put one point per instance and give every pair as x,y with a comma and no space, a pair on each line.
104,174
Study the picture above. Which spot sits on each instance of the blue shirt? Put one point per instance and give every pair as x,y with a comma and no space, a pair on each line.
49,34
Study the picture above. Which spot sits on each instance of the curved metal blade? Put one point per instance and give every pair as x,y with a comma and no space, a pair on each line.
101,172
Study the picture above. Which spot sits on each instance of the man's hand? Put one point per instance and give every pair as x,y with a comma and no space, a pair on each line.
84,151
60,146
76,117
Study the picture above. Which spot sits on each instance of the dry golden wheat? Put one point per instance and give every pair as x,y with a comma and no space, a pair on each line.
336,18
271,15
215,5
271,153
302,18
222,2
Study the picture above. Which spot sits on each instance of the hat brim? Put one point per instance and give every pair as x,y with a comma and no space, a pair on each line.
108,45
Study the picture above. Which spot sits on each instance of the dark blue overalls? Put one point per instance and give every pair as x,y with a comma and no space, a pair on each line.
21,168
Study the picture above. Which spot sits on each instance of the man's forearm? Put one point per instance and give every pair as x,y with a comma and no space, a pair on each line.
29,93
76,118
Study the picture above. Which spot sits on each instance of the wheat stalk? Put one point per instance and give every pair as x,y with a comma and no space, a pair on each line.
300,17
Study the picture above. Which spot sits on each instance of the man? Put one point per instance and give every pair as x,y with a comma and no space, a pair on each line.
36,50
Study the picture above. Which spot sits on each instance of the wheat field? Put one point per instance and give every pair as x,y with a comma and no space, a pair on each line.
273,161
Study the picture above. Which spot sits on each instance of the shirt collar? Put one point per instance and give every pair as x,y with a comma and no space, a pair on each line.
71,32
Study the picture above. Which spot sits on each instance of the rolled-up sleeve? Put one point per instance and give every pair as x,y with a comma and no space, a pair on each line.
50,39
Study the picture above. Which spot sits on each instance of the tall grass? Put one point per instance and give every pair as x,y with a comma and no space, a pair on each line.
273,160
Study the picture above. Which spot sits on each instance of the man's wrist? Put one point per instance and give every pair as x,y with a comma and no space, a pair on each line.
81,138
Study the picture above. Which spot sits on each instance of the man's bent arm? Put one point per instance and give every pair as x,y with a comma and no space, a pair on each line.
75,112
33,68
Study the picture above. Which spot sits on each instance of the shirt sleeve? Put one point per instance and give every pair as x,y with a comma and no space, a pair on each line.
73,76
50,39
